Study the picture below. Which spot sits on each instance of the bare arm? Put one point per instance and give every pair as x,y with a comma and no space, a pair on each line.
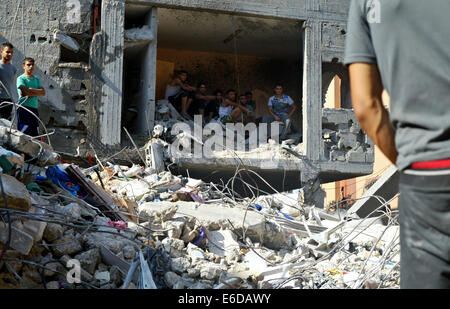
366,90
294,108
31,92
237,105
184,85
273,114
243,108
205,97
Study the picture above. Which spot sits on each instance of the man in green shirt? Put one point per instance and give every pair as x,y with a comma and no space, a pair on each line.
29,88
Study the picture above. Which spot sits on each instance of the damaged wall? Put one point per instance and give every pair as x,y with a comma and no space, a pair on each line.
29,26
343,138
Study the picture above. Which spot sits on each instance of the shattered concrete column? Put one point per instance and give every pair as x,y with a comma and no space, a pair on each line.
146,118
312,90
113,15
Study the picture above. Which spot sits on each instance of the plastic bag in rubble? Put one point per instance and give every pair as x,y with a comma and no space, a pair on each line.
62,179
202,235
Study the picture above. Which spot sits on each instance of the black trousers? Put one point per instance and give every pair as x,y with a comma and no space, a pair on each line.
5,110
26,122
424,207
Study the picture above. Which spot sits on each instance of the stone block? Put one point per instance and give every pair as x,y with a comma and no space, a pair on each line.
370,157
346,140
67,245
89,260
356,157
53,231
20,240
17,195
337,155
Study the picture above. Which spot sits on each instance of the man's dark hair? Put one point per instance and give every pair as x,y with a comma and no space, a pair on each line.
28,59
201,84
242,95
217,91
276,85
7,44
182,72
229,90
249,93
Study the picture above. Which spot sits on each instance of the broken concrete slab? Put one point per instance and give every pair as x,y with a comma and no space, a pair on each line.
22,143
89,260
210,271
180,265
175,227
173,246
256,225
142,35
386,187
67,245
223,242
251,266
66,41
20,240
17,195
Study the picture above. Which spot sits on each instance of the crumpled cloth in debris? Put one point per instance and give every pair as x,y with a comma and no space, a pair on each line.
63,180
118,224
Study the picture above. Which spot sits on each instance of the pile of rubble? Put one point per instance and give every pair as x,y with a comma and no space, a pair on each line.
143,227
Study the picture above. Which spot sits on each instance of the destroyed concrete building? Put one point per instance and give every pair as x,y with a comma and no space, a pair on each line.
132,227
99,58
142,225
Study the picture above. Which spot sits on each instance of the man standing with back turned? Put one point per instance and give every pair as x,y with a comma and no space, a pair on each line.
404,47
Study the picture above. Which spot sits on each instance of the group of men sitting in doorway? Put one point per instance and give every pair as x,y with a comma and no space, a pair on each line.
231,108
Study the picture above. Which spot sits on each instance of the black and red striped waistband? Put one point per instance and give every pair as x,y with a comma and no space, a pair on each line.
431,165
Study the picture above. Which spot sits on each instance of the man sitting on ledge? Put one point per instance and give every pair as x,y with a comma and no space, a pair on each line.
281,108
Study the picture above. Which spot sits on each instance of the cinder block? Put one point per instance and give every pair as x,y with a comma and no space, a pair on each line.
370,157
356,157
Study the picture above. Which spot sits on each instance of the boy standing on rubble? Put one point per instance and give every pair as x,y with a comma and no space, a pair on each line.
29,88
386,40
7,78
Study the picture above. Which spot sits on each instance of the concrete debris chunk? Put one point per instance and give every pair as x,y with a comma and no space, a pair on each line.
66,41
171,279
173,246
102,276
210,271
22,143
180,265
17,195
191,230
89,260
73,210
53,231
175,227
129,252
69,244
222,243
20,240
195,253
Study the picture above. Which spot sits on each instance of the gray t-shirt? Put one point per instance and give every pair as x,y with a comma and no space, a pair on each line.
8,78
409,41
